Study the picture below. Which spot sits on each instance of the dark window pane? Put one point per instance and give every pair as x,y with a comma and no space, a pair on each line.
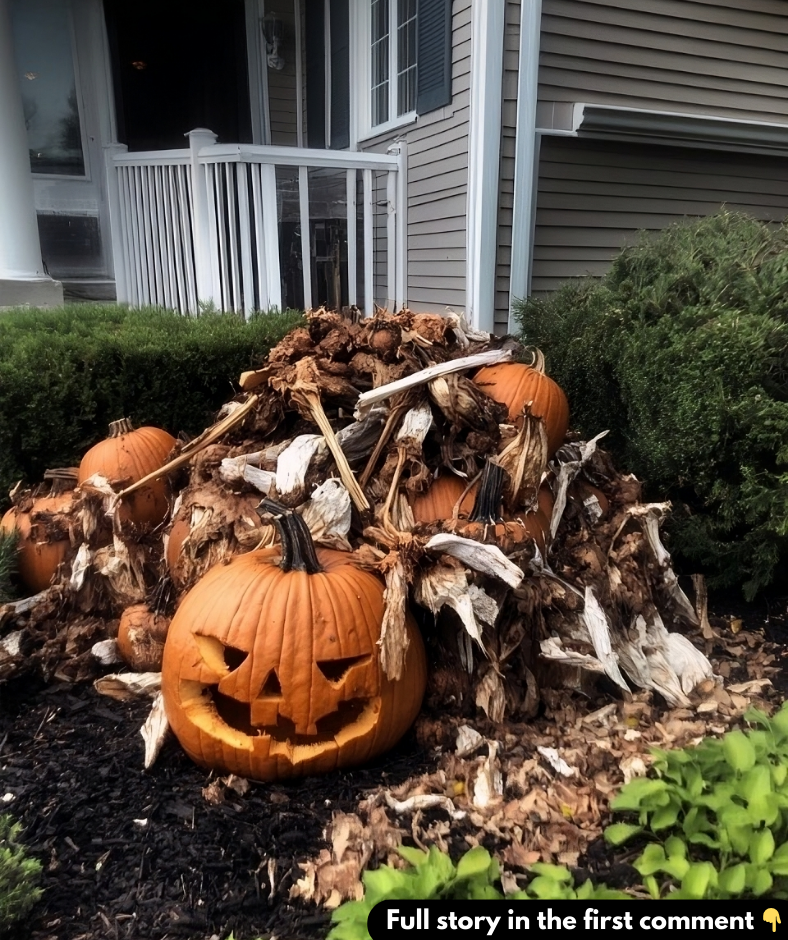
42,42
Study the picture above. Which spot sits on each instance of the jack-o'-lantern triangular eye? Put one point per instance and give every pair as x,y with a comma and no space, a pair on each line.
234,657
335,670
272,688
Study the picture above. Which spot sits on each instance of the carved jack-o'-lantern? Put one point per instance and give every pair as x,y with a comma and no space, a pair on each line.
271,665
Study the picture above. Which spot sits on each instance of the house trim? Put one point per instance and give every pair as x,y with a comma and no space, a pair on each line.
526,161
484,153
674,128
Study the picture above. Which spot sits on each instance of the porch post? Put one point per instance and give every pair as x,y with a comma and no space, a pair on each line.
203,255
22,277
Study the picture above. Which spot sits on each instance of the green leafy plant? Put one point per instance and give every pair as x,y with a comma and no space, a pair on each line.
681,351
720,813
432,875
19,875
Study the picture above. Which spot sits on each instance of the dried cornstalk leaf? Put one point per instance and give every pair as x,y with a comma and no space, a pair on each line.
598,627
358,439
649,517
487,786
328,514
106,652
304,392
463,332
488,559
488,358
246,468
15,608
154,731
293,464
125,686
524,459
414,428
702,605
394,640
557,762
80,567
490,695
468,741
570,458
423,801
447,586
553,649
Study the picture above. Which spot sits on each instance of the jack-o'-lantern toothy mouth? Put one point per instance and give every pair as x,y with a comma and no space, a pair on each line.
228,718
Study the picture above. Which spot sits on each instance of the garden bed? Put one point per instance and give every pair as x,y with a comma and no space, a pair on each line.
169,853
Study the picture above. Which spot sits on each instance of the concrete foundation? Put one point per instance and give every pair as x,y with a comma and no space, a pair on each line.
32,292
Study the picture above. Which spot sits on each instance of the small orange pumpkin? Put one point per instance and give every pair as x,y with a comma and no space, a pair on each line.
438,502
271,665
39,556
141,636
125,457
40,552
515,384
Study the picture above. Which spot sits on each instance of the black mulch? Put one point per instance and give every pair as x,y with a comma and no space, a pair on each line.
135,854
130,854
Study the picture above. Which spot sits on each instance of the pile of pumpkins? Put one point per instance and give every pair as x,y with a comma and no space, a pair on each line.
270,666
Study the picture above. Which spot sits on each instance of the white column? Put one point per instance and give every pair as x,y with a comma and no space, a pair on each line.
526,156
205,259
484,153
22,278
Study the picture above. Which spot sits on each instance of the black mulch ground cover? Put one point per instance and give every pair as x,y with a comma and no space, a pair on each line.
130,854
135,854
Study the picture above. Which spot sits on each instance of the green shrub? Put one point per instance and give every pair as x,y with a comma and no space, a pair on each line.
19,876
681,350
66,373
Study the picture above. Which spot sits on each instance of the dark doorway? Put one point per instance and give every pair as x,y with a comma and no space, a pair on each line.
177,65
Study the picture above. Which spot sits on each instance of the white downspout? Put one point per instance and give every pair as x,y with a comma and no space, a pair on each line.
526,156
484,155
20,249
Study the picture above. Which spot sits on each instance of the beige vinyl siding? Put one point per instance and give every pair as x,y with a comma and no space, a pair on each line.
282,84
725,58
511,55
437,187
594,197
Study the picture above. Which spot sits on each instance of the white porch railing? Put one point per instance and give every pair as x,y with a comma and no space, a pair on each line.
202,225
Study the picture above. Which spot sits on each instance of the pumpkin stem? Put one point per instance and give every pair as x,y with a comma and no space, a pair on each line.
537,359
298,549
119,428
488,499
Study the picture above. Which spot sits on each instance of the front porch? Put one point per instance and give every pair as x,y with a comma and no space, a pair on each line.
228,226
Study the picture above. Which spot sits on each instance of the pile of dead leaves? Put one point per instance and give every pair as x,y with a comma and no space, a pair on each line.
350,423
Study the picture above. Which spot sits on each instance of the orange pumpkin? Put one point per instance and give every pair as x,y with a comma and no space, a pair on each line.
438,502
178,532
271,665
39,555
125,457
141,636
515,384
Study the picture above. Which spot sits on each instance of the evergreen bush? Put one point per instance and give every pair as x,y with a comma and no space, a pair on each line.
66,373
19,875
681,350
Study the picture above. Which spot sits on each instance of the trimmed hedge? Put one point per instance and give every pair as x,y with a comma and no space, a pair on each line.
681,350
66,373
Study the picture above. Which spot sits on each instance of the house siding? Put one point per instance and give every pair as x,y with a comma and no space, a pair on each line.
593,198
437,188
723,58
282,83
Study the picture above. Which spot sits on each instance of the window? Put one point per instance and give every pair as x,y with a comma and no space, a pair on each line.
394,69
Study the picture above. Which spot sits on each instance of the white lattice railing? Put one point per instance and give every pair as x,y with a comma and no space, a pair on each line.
202,225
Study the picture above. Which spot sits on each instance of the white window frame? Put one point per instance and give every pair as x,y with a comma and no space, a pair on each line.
361,74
